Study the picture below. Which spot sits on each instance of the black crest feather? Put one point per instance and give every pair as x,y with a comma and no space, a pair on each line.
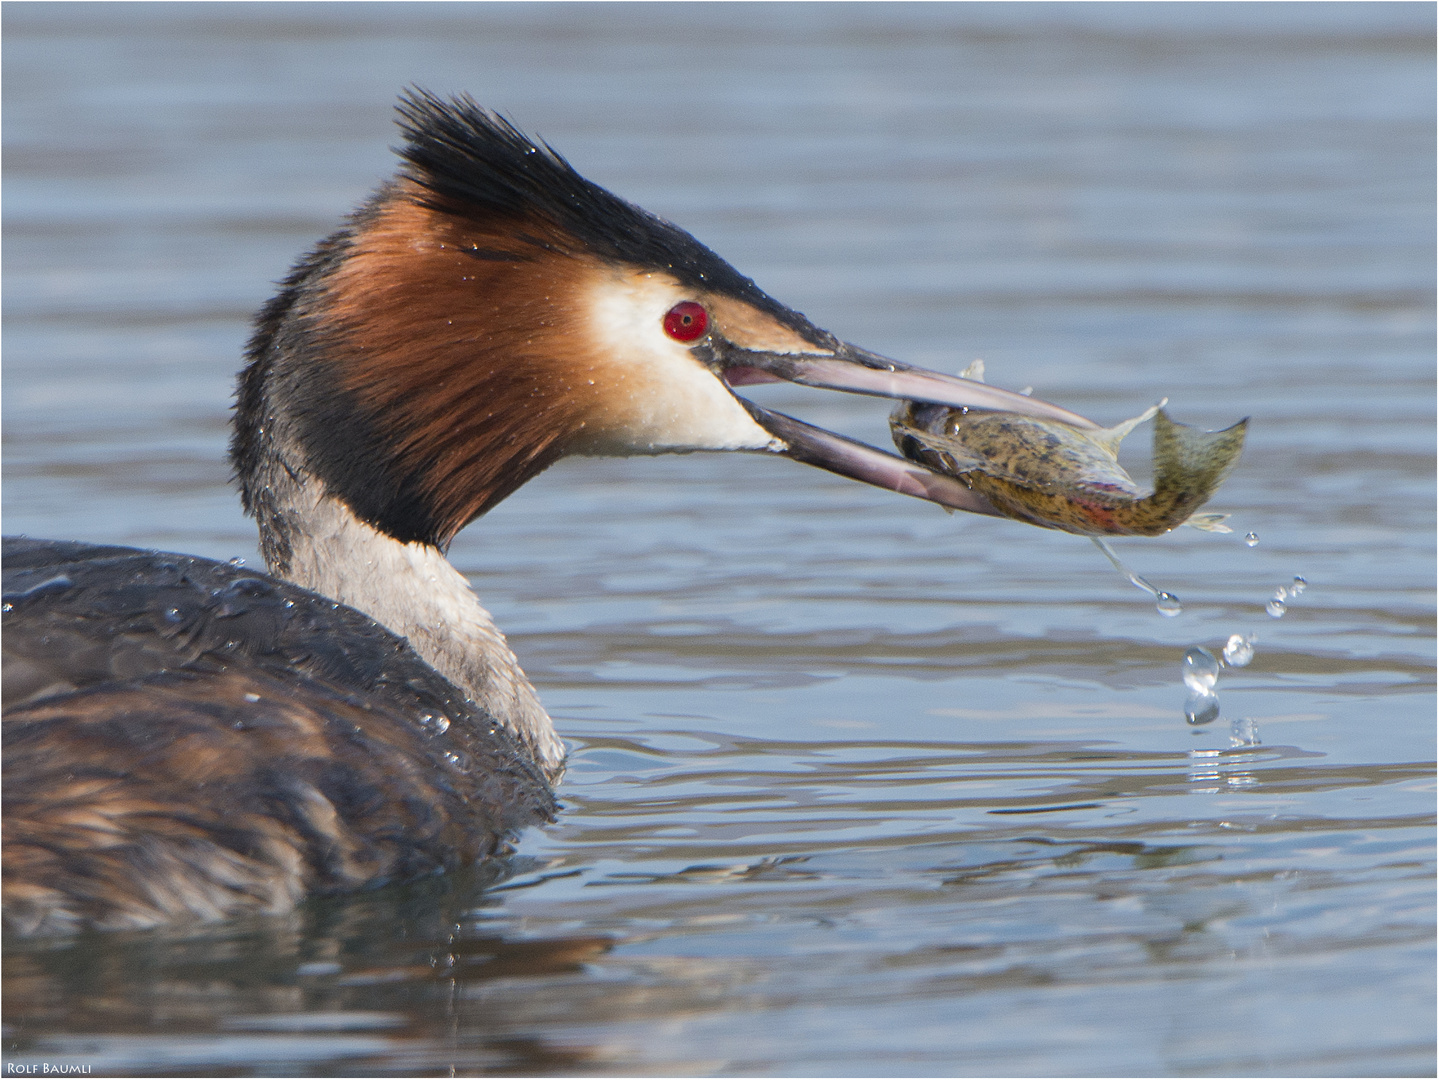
479,163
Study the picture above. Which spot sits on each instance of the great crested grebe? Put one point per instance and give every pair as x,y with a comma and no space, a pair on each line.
186,739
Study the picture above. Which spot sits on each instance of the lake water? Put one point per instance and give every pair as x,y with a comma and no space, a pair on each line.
856,787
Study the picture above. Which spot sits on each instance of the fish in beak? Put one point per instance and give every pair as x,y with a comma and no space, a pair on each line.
1058,476
858,371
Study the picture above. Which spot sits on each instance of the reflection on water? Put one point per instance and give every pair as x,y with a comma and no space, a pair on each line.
293,993
705,891
856,787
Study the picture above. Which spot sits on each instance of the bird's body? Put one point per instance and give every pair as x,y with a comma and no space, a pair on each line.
187,739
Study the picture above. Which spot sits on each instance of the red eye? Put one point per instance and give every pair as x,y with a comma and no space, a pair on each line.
686,321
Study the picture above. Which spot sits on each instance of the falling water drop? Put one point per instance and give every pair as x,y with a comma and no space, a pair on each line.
1166,603
237,561
1276,607
1300,584
1239,650
1200,669
1202,708
1251,538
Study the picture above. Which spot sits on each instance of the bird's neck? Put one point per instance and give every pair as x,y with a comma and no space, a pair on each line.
315,541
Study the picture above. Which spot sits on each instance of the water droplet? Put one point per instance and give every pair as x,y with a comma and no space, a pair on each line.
1166,603
1243,732
1201,708
440,724
237,561
289,603
1251,538
173,614
1276,607
7,607
1200,669
252,698
1299,586
1239,650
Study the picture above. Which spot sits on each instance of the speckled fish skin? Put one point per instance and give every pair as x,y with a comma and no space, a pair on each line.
1061,477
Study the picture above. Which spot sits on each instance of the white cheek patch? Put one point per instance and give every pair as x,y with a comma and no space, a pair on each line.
652,395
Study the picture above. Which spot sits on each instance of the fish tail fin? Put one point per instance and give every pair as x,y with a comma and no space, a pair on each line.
1191,459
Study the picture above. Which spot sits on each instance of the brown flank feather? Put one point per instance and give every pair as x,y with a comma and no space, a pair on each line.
180,796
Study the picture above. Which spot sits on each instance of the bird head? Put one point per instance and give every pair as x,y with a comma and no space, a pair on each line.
489,311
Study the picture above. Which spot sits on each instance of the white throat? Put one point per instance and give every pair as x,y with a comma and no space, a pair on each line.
412,590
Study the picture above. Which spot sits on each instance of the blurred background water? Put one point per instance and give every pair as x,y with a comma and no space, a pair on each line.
856,788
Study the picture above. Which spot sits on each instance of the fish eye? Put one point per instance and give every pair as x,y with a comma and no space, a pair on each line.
686,321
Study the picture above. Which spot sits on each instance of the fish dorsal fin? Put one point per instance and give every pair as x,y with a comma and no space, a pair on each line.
1110,438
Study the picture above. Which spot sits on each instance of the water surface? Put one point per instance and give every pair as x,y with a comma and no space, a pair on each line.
856,787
